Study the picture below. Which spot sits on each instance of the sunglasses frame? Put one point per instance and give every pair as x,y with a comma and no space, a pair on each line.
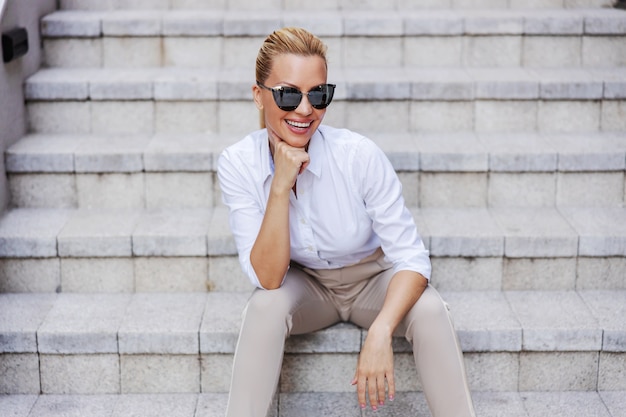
277,90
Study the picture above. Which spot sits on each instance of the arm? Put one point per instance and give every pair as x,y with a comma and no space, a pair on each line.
376,357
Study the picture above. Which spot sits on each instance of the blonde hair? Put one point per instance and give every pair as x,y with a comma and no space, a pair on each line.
288,40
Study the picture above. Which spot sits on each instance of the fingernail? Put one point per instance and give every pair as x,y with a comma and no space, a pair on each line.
391,398
374,408
381,403
363,406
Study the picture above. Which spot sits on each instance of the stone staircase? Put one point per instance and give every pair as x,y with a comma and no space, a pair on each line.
505,119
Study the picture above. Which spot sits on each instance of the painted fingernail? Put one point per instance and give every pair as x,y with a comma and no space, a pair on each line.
374,408
363,406
381,403
391,397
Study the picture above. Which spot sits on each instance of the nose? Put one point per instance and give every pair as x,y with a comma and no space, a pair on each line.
304,108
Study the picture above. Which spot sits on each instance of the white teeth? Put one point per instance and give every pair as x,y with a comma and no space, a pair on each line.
297,124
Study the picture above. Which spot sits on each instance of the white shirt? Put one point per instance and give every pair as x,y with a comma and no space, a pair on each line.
349,203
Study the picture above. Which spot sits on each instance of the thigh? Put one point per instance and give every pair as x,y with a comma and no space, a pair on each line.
301,301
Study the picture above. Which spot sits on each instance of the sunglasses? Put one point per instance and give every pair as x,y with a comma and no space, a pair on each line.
289,98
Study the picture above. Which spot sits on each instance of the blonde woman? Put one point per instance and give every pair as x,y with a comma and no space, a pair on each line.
323,232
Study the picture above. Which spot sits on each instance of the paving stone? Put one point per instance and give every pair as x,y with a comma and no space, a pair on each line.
211,405
519,152
179,190
162,324
342,337
122,85
493,371
615,401
358,87
43,191
602,231
601,273
137,23
505,116
191,23
451,153
16,405
504,83
555,321
174,152
433,23
172,233
326,404
97,275
146,374
71,23
171,274
83,324
578,153
467,274
535,233
186,84
216,372
553,23
111,154
575,84
225,274
220,336
20,318
609,309
221,241
546,274
493,22
20,373
312,373
153,405
57,84
401,150
73,406
570,404
20,275
497,404
124,191
79,374
43,153
98,234
257,24
558,371
31,232
611,371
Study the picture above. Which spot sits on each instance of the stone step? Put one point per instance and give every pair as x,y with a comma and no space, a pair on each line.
125,251
424,100
327,4
381,38
184,342
328,404
437,170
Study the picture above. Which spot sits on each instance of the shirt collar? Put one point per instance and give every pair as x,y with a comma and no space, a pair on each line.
316,148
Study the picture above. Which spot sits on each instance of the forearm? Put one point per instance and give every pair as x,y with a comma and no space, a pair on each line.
270,255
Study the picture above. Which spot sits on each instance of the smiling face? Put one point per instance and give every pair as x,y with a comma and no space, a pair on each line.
304,73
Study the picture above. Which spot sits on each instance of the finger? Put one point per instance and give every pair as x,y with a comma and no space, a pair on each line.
380,385
371,388
360,390
391,385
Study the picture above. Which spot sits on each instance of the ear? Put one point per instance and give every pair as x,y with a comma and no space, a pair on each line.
256,95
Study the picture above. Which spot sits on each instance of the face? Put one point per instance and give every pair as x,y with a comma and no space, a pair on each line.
304,73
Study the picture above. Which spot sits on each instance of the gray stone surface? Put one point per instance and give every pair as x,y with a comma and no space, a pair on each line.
191,23
73,406
452,153
186,84
589,152
174,152
154,405
136,23
558,371
80,374
555,321
221,321
615,401
31,232
571,85
43,153
519,152
562,404
162,324
91,233
30,275
122,85
498,404
20,318
83,324
59,84
211,405
326,404
172,233
145,374
220,240
113,153
602,231
20,373
342,337
71,23
609,309
504,83
16,405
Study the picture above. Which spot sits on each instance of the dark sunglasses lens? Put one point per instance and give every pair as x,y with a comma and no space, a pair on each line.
287,98
321,96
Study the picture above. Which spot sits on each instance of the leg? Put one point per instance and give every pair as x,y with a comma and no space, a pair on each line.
438,356
299,306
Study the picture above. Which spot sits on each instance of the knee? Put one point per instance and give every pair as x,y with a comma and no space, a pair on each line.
430,308
267,306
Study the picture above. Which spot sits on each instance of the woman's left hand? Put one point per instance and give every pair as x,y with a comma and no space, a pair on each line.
374,368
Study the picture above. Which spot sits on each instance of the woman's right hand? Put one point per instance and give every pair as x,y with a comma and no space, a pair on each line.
289,162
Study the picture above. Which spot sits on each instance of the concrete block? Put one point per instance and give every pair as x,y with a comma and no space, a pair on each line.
171,152
42,153
123,191
83,324
493,403
220,336
312,372
453,190
212,405
553,22
172,233
574,404
453,153
609,308
614,401
43,191
519,152
544,274
20,373
611,373
441,84
162,324
340,403
490,328
372,23
252,24
80,374
69,24
225,274
605,22
17,405
574,84
463,232
72,53
21,317
432,51
441,116
160,374
493,23
340,338
74,406
558,371
492,371
174,405
614,82
121,85
602,230
216,373
613,119
364,116
433,23
185,117
522,189
97,275
237,117
56,84
535,233
597,189
111,154
190,190
221,241
587,152
373,52
552,51
506,116
30,233
601,273
198,4
394,86
179,274
182,23
603,51
122,117
322,24
492,51
30,275
247,48
192,52
131,52
132,23
98,234
410,187
555,321
59,117
503,84
536,4
182,85
466,274
479,4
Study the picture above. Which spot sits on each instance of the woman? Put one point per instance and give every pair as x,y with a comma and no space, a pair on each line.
323,232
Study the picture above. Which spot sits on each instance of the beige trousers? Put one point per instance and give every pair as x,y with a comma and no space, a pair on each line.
311,300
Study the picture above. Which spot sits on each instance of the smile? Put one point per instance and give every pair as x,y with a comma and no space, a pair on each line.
298,124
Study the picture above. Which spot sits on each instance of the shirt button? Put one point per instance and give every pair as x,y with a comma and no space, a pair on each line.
303,221
309,248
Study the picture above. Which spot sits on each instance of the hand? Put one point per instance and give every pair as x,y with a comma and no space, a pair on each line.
289,162
375,365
